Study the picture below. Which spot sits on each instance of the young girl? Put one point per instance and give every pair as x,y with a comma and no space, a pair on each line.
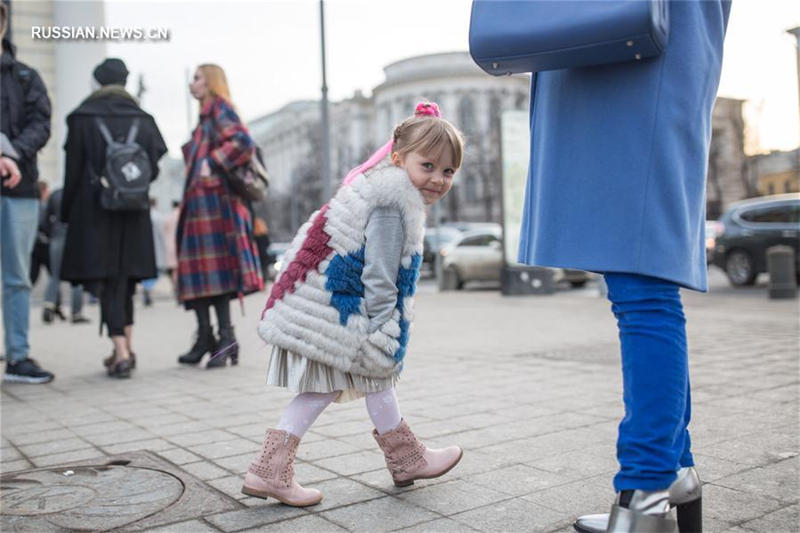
339,312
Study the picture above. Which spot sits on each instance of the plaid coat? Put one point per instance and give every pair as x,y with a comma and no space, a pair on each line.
216,250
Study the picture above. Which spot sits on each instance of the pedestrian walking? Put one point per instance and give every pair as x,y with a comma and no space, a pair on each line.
217,255
157,219
109,245
57,232
617,185
261,234
338,316
170,235
24,129
41,247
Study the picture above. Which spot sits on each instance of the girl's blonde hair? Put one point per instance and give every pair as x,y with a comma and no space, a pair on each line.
425,132
428,135
216,81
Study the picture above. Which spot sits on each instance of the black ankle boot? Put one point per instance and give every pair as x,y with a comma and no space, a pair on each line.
227,348
204,344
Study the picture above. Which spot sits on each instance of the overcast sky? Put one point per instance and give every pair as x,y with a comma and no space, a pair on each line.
270,51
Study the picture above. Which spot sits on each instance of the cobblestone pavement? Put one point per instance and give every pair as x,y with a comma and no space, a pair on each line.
528,386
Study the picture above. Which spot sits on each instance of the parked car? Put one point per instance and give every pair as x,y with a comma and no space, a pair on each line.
436,239
477,255
749,228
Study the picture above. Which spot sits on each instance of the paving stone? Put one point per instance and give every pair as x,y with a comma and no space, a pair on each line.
202,437
302,524
384,514
179,456
153,445
342,491
511,515
722,503
215,450
9,454
588,496
54,446
353,463
518,479
441,525
13,466
576,464
119,437
785,520
66,457
254,516
778,481
324,448
188,526
453,497
42,436
205,470
230,485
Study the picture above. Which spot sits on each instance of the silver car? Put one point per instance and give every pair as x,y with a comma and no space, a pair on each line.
478,256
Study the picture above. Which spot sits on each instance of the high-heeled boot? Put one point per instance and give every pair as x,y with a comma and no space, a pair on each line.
227,348
204,344
685,494
643,511
408,459
271,474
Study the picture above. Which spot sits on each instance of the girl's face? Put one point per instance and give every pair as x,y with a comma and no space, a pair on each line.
433,176
198,87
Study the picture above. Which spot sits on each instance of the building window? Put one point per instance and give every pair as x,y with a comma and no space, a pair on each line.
787,186
771,188
470,188
466,114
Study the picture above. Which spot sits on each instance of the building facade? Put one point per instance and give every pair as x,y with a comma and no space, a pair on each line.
290,138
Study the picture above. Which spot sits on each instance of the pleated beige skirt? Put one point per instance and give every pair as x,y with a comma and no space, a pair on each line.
298,374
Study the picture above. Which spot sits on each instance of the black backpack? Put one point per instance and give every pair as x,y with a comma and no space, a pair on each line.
125,183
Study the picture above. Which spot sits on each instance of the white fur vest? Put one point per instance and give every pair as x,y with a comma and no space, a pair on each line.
316,308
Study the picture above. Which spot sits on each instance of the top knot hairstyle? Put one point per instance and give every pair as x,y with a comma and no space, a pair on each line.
425,132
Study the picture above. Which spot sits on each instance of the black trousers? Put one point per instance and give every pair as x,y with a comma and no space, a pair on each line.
116,305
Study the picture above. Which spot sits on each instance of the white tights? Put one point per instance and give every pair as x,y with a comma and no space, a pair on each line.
304,409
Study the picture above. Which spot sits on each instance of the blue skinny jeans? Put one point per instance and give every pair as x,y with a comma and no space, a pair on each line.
653,441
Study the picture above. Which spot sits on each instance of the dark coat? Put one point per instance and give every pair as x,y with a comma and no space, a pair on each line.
619,156
104,244
24,119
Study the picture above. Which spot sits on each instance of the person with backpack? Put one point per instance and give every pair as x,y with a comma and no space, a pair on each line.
24,130
112,152
216,250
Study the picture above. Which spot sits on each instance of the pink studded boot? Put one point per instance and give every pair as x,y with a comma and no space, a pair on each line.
408,459
271,474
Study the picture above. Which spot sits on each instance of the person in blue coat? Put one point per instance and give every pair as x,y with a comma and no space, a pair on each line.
617,185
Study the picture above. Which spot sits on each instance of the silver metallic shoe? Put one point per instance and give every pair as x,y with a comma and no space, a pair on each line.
684,494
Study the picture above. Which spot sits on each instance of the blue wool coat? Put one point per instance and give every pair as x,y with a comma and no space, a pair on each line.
619,157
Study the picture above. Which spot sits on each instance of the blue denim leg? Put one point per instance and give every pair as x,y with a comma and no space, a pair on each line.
18,220
653,438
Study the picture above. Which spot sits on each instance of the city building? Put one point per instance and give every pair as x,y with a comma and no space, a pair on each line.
290,137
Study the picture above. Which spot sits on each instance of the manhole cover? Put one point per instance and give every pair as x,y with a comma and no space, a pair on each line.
94,497
137,491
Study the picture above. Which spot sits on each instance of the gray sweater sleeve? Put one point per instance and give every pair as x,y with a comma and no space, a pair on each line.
384,249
